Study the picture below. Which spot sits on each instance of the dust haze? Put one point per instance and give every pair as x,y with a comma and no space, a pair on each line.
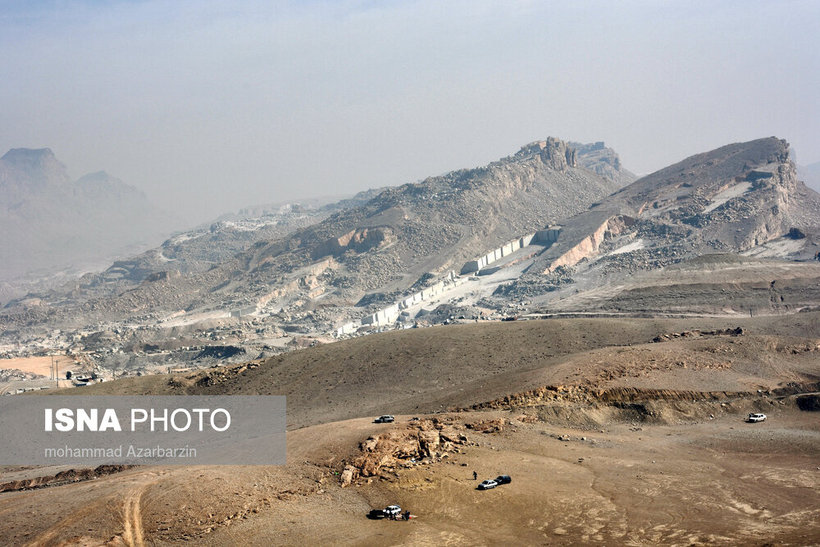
210,108
572,247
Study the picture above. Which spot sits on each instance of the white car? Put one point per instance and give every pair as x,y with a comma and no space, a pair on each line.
756,417
486,485
385,419
394,510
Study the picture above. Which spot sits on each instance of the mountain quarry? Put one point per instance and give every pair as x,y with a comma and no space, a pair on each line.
280,285
635,360
743,199
550,230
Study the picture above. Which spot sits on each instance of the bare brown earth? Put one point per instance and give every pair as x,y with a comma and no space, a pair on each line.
695,482
437,368
610,438
36,365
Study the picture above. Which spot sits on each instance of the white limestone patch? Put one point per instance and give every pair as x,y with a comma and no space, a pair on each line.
730,193
248,225
182,238
181,318
636,245
777,248
162,258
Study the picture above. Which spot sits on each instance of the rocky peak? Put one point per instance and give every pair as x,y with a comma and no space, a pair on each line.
734,199
555,153
35,165
78,223
599,151
30,158
603,161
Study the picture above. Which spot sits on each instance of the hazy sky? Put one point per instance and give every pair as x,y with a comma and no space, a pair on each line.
217,105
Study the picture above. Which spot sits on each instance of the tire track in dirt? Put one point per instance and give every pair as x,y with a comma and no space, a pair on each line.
133,534
65,524
132,518
131,514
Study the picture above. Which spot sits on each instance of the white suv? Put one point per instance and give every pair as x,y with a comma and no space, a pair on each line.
756,417
393,510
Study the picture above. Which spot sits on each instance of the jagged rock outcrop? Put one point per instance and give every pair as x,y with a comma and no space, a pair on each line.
555,153
598,396
359,241
604,161
736,199
402,447
589,245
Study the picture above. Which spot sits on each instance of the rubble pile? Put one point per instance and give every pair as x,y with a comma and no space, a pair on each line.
10,375
419,443
738,331
535,284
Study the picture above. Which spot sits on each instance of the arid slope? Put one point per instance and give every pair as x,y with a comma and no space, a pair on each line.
641,441
428,370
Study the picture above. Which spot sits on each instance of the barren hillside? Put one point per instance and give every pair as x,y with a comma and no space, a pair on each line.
364,254
428,370
741,198
613,431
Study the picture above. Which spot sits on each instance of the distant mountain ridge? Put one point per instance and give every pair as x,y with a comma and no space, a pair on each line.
551,229
404,233
50,223
743,198
377,244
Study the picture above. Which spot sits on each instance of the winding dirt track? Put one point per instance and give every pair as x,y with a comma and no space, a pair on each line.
132,518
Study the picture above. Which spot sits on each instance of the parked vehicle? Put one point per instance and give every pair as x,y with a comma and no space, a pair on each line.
486,485
503,479
376,514
385,419
756,417
394,510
